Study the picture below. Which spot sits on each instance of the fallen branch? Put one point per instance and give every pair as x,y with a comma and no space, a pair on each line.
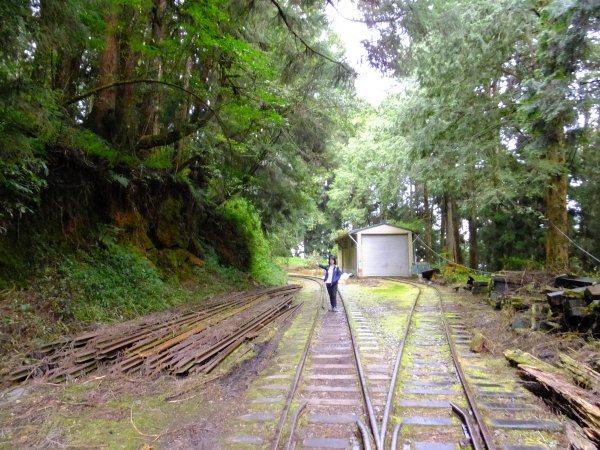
577,438
583,374
574,401
155,436
517,357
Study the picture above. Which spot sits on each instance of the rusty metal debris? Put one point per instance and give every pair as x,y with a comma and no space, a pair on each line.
191,341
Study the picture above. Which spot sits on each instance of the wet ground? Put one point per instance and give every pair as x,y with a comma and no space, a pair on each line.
240,404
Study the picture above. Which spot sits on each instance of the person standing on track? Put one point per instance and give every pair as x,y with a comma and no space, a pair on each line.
332,276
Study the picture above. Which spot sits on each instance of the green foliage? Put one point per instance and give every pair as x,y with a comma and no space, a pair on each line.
294,262
454,274
21,181
214,100
500,99
516,263
247,221
161,158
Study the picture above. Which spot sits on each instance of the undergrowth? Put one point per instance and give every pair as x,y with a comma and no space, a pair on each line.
101,284
456,274
297,263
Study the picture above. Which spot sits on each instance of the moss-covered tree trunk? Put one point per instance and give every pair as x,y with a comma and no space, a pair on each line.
149,124
452,232
557,245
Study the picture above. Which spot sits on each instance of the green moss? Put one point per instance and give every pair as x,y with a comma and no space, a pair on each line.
169,229
394,324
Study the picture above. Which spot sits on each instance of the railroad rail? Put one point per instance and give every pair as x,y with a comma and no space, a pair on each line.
336,376
179,343
430,401
494,413
475,429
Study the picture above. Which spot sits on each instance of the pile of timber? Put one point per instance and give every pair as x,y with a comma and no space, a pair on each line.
510,282
572,388
194,340
575,303
564,302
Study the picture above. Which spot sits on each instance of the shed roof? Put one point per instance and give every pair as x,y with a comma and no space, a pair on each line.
358,230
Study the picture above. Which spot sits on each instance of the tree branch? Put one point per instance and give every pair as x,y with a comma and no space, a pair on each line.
147,142
284,17
125,82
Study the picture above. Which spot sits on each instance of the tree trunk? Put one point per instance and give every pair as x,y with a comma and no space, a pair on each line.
183,114
444,214
450,222
102,117
126,102
473,246
557,245
428,226
456,229
67,76
149,125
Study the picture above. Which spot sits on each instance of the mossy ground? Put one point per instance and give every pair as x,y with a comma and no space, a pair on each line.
128,412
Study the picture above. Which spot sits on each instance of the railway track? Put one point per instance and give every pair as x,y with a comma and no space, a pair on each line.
354,387
324,402
333,390
395,373
434,398
449,397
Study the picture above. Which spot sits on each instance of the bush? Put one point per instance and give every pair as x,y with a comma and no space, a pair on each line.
294,262
247,221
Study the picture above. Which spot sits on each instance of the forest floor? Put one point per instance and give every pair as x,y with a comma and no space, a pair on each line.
131,412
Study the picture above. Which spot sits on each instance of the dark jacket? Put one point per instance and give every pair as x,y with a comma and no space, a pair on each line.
337,273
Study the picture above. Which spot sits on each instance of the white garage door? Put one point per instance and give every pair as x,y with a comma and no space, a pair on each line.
385,255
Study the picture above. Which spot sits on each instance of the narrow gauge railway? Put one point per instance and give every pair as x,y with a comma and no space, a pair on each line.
443,380
334,389
435,399
316,396
425,323
346,390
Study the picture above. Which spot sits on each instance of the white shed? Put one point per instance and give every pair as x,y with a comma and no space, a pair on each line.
377,251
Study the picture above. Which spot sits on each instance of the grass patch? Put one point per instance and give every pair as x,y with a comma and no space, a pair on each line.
393,289
295,262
